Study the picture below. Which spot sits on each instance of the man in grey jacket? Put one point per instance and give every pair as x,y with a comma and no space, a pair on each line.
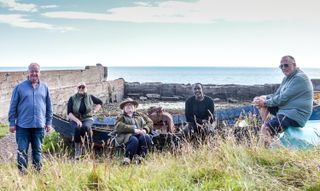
291,104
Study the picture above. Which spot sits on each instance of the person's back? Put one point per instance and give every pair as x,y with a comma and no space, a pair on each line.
162,120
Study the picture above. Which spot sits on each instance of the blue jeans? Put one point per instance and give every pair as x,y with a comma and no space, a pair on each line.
137,144
24,136
80,132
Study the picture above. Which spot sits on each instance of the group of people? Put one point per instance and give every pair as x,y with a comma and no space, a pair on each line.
30,114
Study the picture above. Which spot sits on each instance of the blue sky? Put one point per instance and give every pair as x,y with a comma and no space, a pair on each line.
159,33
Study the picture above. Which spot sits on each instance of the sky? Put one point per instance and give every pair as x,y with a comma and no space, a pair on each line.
245,33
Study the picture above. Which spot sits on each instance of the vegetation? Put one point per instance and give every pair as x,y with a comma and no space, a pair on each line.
4,130
52,143
218,164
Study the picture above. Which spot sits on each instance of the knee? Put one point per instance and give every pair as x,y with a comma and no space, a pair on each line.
144,139
133,140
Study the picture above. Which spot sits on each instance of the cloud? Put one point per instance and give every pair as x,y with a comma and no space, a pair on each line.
14,6
25,7
203,11
49,6
17,20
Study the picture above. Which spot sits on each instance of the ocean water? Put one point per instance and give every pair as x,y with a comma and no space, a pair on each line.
205,75
185,75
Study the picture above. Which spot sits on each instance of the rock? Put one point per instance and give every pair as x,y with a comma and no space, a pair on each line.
232,100
170,98
143,98
153,96
217,100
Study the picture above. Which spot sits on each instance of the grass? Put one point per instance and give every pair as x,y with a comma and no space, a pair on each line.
4,130
221,164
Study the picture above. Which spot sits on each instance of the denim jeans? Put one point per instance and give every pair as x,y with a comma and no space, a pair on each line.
80,132
24,136
137,144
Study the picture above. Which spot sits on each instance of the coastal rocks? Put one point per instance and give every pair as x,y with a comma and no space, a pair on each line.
231,93
153,96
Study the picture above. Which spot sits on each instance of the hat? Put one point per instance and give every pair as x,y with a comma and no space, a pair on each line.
82,84
128,100
288,59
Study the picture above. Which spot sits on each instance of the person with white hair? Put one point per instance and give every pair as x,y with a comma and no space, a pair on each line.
30,114
291,104
81,107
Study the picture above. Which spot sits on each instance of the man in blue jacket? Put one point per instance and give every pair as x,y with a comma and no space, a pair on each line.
291,104
29,114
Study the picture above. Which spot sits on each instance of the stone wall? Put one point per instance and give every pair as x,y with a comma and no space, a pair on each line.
182,91
62,84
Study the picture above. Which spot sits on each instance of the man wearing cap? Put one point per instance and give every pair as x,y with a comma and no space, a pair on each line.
291,104
132,131
81,107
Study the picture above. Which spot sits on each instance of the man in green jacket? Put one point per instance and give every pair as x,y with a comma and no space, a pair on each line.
133,128
291,104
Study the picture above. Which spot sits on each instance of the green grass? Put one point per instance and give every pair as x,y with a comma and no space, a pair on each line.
221,164
4,130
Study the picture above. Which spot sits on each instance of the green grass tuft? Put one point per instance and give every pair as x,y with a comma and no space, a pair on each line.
4,130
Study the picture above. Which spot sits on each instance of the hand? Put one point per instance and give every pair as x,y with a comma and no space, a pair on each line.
204,121
259,102
79,123
48,128
12,129
140,131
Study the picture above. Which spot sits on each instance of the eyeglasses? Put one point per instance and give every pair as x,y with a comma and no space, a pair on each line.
81,87
284,66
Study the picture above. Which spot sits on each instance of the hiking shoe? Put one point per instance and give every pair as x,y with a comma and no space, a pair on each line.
139,159
126,161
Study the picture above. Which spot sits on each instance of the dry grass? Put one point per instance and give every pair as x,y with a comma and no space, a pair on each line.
217,164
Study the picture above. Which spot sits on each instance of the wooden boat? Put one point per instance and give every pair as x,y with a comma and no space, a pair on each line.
102,128
306,137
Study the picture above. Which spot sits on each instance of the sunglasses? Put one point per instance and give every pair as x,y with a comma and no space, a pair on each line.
284,66
81,87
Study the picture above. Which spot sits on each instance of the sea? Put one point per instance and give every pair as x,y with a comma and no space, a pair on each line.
189,75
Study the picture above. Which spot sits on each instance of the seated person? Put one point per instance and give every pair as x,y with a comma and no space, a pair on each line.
81,107
291,104
162,121
199,110
132,131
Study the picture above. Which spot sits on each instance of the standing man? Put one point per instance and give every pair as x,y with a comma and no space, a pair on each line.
291,104
30,114
199,110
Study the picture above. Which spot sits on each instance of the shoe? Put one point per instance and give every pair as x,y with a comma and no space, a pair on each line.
77,151
126,161
139,159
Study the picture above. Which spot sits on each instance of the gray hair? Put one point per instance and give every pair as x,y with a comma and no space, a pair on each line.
33,65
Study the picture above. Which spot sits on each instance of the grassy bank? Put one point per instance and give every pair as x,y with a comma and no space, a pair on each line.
4,129
219,165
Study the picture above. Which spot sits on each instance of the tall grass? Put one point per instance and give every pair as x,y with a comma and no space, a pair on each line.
218,164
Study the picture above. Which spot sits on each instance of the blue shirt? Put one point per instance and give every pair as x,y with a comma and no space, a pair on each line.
30,107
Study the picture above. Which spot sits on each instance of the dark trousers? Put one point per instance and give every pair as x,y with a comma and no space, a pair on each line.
82,132
137,144
24,136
